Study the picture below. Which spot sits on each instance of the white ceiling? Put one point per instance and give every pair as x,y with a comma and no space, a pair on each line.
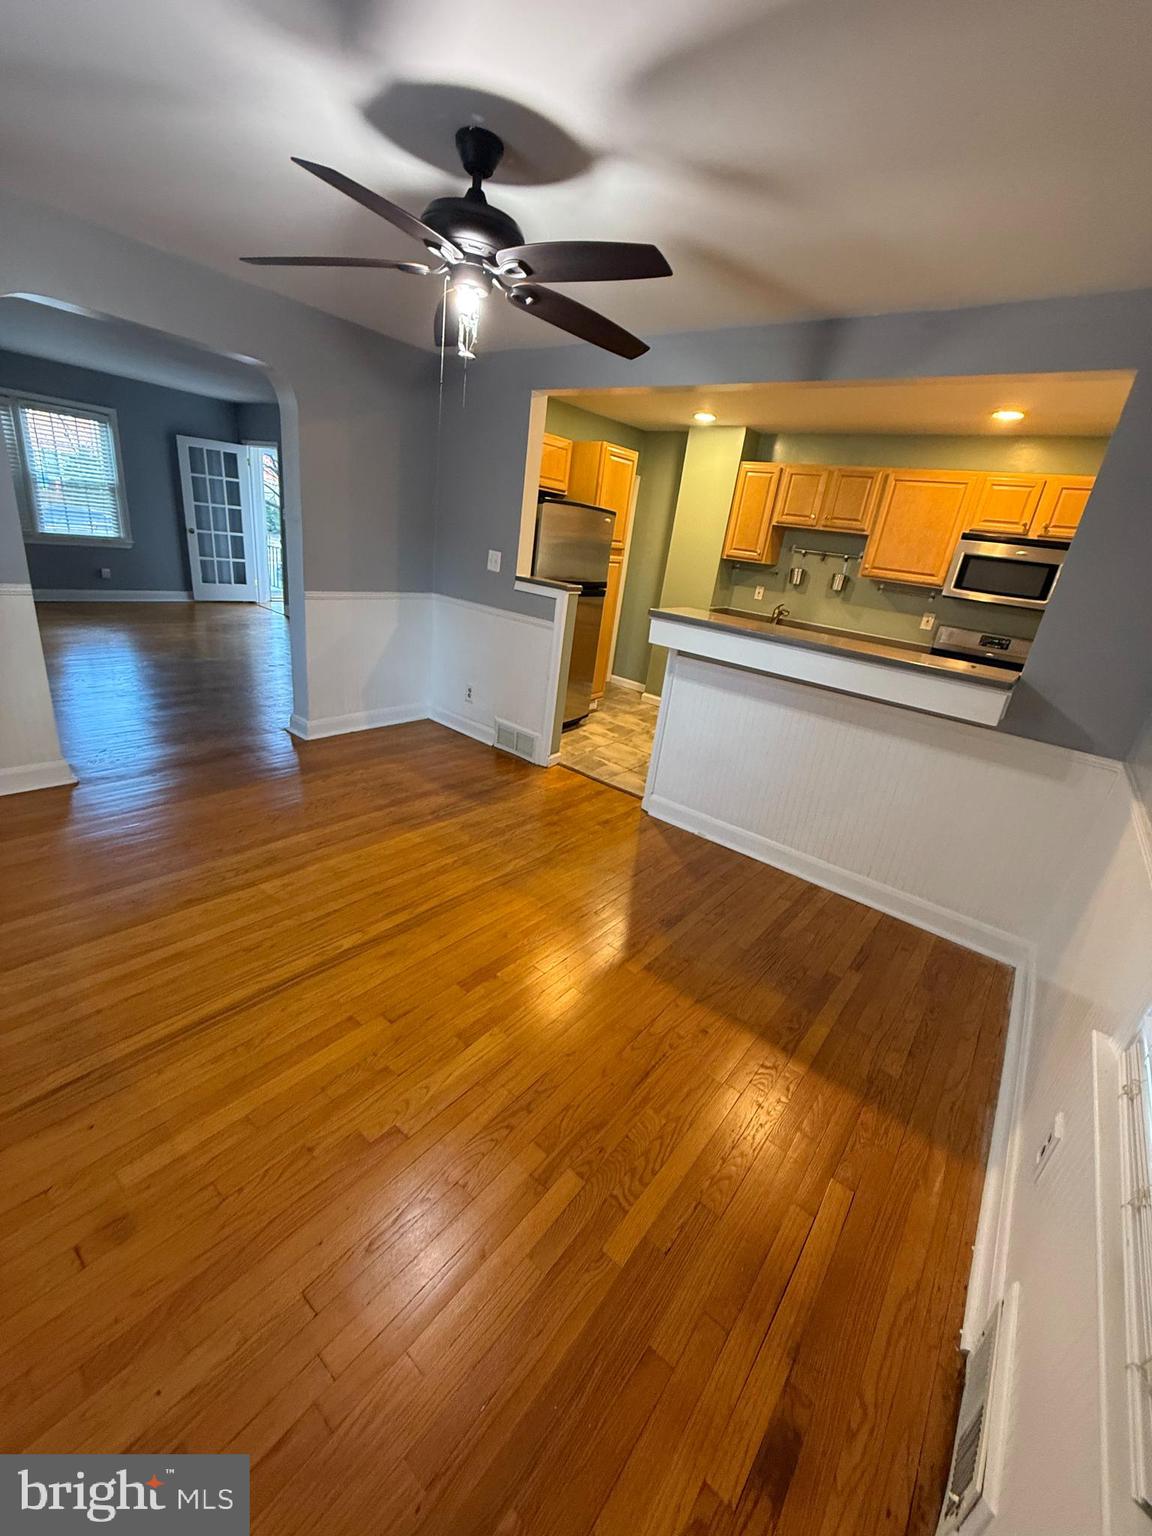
1055,405
130,351
790,156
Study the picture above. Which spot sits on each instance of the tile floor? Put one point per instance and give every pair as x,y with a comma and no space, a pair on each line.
615,742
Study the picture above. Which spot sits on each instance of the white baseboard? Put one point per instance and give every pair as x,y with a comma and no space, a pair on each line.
650,698
627,682
17,781
466,727
967,931
92,595
366,720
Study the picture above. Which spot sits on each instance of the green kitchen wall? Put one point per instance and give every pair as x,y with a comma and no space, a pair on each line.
661,458
1019,455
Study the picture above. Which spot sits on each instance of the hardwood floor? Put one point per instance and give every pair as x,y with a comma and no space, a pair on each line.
479,1155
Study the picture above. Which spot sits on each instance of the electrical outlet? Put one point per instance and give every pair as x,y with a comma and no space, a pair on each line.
759,594
468,694
927,621
106,573
1047,1148
493,559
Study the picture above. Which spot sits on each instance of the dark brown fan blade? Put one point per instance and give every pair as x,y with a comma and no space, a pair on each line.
577,319
416,267
585,261
396,215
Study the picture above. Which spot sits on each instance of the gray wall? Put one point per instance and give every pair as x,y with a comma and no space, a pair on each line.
1009,454
148,419
257,422
359,410
1088,683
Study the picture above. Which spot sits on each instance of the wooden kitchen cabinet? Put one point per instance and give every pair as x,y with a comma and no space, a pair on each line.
1007,504
749,532
1061,506
607,625
555,463
850,498
800,494
921,514
602,475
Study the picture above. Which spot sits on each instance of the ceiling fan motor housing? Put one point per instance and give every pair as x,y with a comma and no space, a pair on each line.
472,223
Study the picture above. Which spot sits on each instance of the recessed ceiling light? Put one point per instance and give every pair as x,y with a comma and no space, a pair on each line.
1007,415
703,418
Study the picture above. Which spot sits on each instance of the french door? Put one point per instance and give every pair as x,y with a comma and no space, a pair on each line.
219,519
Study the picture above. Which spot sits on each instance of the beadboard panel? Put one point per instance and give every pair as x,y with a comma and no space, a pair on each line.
969,821
368,660
506,659
29,746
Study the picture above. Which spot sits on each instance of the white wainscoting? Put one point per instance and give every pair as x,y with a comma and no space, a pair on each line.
381,658
961,830
29,746
508,661
368,661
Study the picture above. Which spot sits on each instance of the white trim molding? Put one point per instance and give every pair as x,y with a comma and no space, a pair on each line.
102,595
626,682
28,776
30,756
365,720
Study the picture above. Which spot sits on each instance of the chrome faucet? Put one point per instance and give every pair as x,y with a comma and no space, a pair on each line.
778,613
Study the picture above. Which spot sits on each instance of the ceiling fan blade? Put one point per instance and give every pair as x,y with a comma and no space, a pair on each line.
396,215
585,261
559,310
416,267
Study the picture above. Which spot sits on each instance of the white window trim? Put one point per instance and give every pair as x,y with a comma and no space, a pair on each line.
13,398
1136,1196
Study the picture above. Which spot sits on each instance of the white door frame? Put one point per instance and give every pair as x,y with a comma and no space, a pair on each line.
256,478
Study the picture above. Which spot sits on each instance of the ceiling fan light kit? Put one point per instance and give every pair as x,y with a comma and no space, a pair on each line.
480,249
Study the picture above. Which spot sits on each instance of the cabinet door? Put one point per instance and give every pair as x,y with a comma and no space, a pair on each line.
1061,506
555,463
850,499
920,516
602,475
750,520
1007,504
607,625
800,494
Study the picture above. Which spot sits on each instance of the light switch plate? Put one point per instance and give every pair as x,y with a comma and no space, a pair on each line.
927,621
1046,1151
493,559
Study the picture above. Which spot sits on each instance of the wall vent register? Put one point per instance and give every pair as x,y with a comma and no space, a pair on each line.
972,1497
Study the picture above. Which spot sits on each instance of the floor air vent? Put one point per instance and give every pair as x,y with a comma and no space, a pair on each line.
510,738
977,1460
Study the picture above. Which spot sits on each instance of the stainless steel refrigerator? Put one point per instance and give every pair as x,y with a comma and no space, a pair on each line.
573,542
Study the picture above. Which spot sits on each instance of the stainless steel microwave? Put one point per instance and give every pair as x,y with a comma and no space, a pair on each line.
1020,574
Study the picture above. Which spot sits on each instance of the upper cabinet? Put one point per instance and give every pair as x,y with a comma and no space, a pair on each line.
603,474
800,494
850,499
921,514
1061,506
555,463
749,533
1007,504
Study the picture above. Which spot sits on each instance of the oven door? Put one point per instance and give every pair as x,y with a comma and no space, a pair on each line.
1013,575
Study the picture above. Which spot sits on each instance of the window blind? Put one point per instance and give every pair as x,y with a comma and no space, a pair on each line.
65,465
1136,1182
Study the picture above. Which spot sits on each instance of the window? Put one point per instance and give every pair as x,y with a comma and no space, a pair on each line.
66,468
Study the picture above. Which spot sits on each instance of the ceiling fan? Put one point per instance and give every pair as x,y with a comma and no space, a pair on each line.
478,249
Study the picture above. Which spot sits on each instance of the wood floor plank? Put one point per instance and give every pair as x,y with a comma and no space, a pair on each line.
478,1155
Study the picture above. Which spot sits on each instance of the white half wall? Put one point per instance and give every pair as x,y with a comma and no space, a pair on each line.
381,658
962,830
368,661
29,746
